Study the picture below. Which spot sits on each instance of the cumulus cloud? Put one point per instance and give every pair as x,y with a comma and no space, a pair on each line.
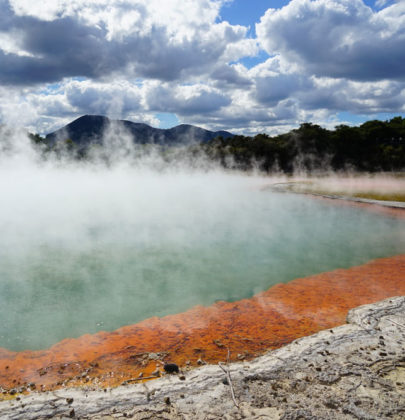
338,38
114,99
125,16
135,38
185,100
53,107
135,59
382,3
232,76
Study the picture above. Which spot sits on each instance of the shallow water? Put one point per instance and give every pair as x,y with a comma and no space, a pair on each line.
107,249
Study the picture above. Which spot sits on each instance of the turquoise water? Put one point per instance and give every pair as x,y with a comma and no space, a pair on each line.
88,254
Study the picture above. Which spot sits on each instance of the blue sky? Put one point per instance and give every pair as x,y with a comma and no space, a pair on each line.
249,12
219,64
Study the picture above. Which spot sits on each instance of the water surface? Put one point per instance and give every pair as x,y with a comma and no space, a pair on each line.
83,255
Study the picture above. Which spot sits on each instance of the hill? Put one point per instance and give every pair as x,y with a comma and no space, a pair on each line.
89,129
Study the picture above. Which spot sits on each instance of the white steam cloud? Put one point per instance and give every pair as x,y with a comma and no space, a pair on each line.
127,234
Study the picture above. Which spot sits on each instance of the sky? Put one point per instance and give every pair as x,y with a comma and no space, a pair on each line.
247,66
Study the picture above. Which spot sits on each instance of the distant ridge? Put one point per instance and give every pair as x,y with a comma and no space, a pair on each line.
89,129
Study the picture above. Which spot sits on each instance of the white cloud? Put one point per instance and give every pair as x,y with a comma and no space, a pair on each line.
338,38
381,3
232,76
132,59
113,99
42,9
275,81
184,100
123,17
11,43
169,40
16,110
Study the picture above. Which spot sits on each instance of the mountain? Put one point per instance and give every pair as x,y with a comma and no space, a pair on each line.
89,129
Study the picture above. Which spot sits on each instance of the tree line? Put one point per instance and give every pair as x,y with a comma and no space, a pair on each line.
373,146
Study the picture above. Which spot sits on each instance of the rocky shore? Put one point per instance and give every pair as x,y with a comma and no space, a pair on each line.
354,371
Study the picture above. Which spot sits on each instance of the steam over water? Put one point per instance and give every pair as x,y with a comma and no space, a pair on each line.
85,247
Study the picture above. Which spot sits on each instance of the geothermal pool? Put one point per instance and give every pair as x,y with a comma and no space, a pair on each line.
88,250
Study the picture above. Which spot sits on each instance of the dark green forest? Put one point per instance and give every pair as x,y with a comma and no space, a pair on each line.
373,146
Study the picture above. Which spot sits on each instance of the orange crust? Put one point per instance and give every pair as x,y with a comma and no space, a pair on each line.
247,327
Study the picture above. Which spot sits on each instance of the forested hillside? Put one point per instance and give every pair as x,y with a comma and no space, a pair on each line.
373,146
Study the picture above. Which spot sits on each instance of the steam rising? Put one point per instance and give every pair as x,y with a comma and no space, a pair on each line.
97,244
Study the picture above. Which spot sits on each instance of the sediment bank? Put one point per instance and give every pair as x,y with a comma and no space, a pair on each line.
389,208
